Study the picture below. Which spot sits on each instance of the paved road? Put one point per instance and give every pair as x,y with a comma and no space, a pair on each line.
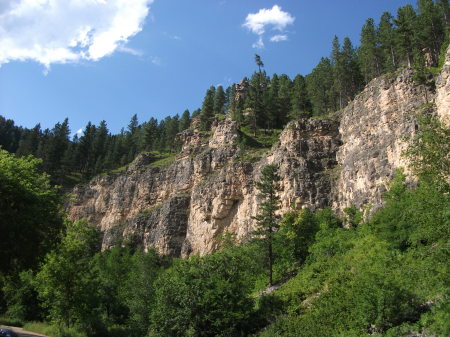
21,332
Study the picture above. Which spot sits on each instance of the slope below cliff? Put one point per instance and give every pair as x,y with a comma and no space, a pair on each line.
183,208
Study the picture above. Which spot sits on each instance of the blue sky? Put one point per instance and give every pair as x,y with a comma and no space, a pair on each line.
155,58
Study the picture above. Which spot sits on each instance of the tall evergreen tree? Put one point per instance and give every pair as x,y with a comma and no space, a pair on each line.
319,85
267,219
387,39
406,37
272,108
219,100
207,114
352,80
150,134
338,65
185,120
58,144
284,100
300,103
369,52
430,30
29,142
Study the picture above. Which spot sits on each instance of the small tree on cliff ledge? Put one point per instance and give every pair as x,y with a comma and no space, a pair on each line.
267,219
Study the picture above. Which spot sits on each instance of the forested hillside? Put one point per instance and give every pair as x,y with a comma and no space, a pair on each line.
308,272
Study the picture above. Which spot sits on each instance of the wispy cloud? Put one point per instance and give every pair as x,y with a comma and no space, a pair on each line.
156,60
278,38
62,31
275,18
132,51
171,36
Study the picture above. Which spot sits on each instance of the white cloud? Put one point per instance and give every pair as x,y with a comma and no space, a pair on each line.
61,31
275,18
128,50
173,37
259,44
278,38
156,60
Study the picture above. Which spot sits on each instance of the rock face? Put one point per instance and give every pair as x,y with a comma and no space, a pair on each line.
443,92
373,129
183,208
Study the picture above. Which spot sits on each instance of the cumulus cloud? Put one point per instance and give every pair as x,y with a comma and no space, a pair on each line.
278,38
61,31
275,18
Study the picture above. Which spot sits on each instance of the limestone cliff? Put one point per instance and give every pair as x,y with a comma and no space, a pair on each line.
374,129
181,209
442,99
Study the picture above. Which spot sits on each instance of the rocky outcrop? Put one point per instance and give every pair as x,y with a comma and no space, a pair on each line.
183,208
373,129
443,92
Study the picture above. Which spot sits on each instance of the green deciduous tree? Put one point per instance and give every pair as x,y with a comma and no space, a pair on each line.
29,207
203,297
66,282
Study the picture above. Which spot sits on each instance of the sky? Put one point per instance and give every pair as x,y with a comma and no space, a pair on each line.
93,60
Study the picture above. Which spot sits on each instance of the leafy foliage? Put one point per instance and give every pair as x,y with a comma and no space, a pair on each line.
29,206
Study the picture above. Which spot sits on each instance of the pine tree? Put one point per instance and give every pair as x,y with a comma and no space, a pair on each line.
430,30
58,144
85,154
300,103
29,142
207,114
352,78
219,101
387,39
267,219
369,52
338,65
406,44
257,88
150,134
444,9
185,120
284,100
99,146
319,85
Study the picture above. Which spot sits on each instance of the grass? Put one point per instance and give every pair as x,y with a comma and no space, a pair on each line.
5,320
261,140
146,212
163,160
52,330
253,147
252,155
